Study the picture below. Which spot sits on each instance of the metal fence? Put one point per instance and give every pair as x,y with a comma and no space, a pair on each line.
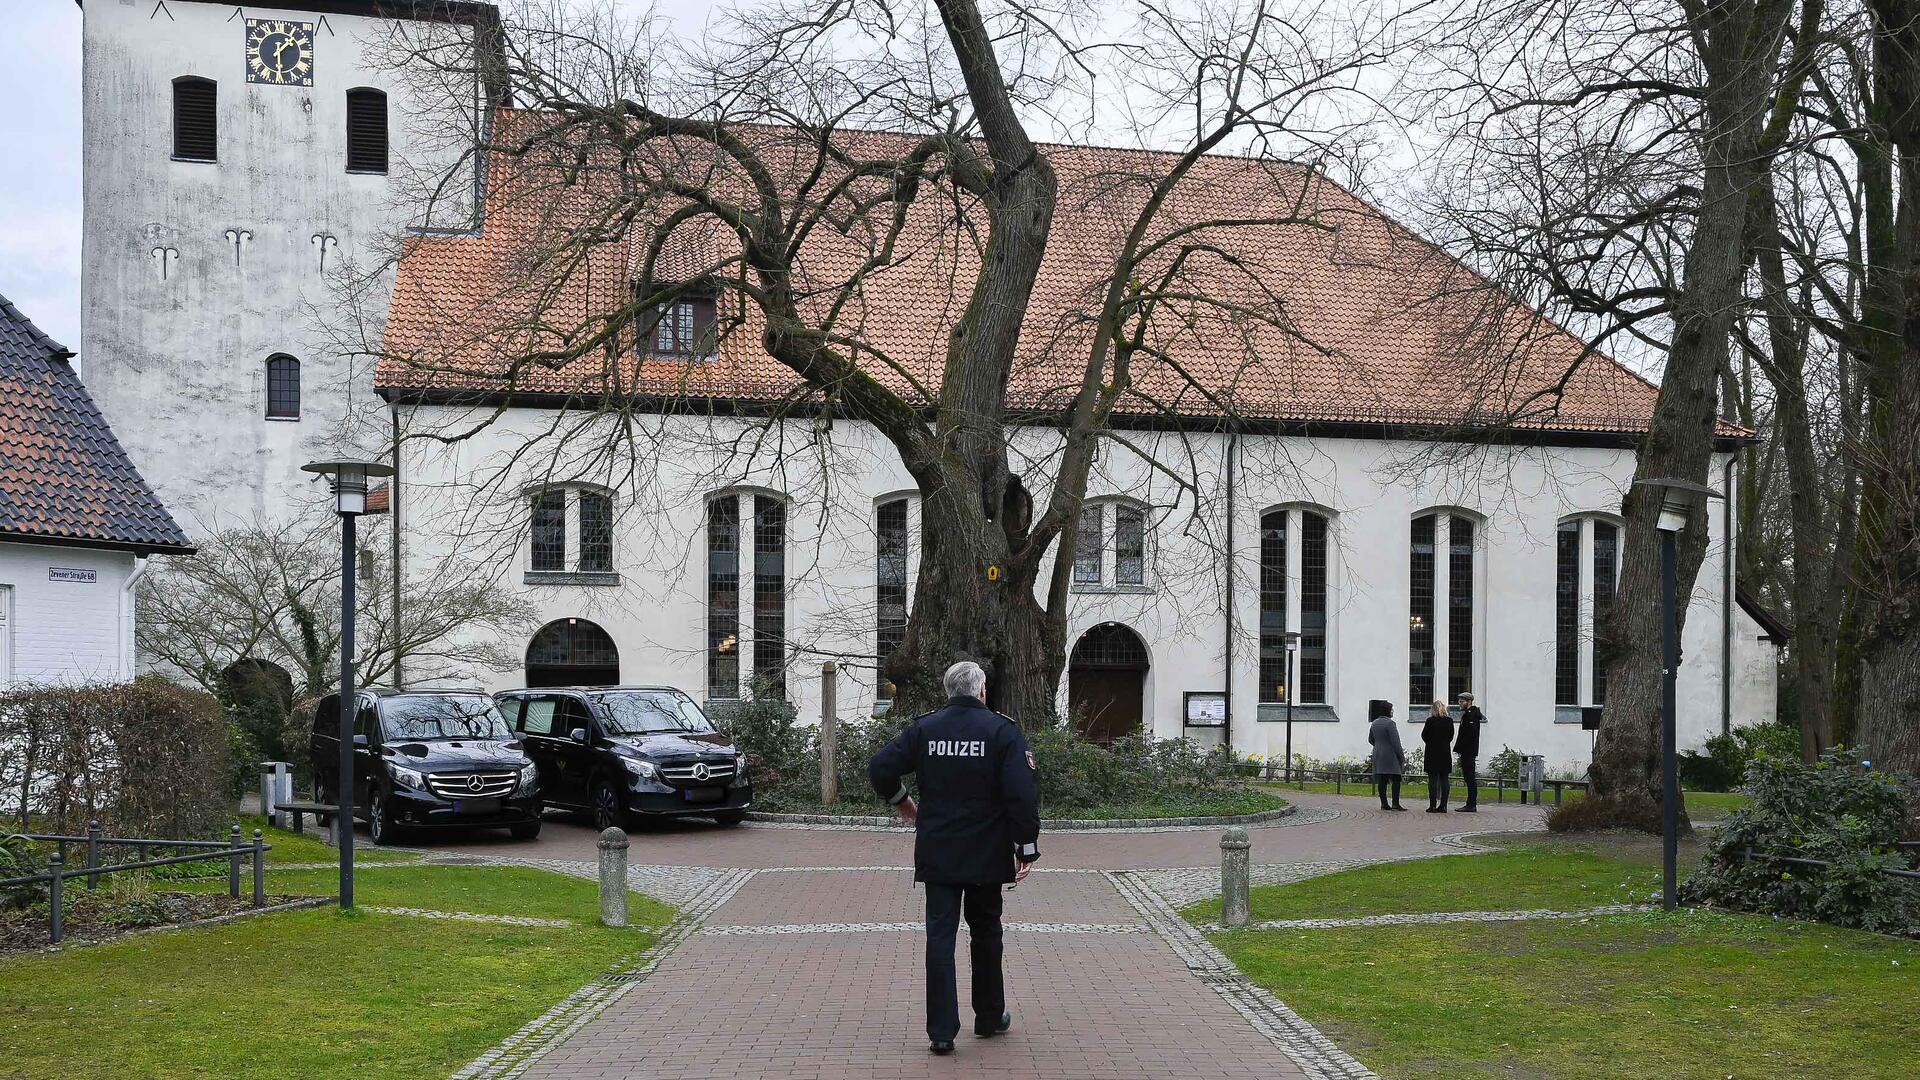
1909,848
234,850
1339,778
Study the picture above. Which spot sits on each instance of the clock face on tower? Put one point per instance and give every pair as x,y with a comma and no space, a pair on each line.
279,52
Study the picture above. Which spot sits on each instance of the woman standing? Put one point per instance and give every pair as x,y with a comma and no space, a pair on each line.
1388,756
1437,735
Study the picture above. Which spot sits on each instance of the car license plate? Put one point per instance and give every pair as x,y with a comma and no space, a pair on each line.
705,794
476,806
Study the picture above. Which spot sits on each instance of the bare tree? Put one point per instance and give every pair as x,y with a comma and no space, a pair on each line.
1612,153
271,594
793,177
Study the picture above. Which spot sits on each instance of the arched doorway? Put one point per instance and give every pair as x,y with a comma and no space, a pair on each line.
1107,682
572,652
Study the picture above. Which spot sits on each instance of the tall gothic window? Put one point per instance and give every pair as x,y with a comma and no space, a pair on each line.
1442,607
1312,662
1273,606
1420,617
550,530
1129,545
770,594
723,597
890,587
1587,573
1293,595
1566,614
1459,607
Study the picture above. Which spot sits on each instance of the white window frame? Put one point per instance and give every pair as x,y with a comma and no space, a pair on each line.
1585,630
1296,532
1442,605
747,638
570,565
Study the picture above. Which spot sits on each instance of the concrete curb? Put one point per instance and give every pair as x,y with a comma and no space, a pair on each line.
1046,824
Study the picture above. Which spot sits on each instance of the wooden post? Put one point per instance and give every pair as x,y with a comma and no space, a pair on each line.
259,870
829,733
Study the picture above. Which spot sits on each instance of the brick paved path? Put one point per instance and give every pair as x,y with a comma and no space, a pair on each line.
809,965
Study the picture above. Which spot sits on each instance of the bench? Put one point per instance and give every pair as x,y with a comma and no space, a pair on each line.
299,810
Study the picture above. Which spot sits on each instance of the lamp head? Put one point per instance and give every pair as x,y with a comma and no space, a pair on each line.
1678,500
1292,638
348,479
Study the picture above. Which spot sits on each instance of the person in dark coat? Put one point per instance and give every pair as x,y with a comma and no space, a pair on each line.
1437,735
1466,747
1389,759
977,828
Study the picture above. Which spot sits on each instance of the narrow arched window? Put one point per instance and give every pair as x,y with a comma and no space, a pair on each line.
890,587
195,129
1293,597
1587,571
1442,608
366,131
283,387
596,533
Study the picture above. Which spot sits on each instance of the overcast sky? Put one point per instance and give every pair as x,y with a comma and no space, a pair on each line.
40,164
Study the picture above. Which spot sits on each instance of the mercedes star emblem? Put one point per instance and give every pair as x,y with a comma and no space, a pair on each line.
700,771
474,783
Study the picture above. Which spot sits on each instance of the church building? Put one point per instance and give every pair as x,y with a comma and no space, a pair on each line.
1411,493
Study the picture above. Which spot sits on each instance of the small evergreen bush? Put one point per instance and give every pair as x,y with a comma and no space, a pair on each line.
17,859
1723,766
1838,811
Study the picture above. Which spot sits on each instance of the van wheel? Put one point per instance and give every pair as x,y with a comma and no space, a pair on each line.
380,828
608,813
322,794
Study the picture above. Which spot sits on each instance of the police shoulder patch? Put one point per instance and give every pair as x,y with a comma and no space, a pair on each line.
1007,718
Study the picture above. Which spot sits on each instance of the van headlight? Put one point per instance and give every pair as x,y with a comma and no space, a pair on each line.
740,766
529,779
645,770
408,778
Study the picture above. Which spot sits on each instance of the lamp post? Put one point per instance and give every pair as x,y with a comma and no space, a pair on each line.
1679,499
1293,648
349,482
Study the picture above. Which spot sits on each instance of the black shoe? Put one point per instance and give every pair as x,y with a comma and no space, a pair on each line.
1005,1022
1397,806
1435,810
1384,806
1466,809
943,1047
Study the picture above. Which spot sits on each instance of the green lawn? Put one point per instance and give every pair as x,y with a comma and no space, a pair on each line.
1522,879
1704,805
1683,995
295,996
488,890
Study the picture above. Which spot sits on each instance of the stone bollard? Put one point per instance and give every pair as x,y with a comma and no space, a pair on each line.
1236,876
613,877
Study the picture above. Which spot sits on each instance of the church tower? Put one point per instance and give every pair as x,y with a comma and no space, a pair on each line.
241,162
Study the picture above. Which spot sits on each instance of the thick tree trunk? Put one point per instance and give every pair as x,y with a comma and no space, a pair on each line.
1626,775
1889,705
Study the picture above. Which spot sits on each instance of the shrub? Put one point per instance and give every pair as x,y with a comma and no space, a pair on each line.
1723,767
763,728
1505,763
1838,811
145,758
17,859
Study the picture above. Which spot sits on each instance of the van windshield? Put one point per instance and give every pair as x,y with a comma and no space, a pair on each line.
442,716
651,712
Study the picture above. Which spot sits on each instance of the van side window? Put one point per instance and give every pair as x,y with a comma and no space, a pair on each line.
538,717
573,714
365,722
510,708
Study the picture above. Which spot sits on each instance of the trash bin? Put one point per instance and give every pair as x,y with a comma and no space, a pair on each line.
276,787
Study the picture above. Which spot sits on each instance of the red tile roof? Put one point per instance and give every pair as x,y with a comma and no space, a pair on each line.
63,476
1384,328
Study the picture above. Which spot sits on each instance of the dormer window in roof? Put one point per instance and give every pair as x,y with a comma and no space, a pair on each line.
682,329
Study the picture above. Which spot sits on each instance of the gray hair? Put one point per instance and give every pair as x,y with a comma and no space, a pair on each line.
965,679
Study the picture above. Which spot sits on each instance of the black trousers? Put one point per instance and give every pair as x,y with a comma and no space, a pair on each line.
1471,778
945,904
1380,781
1439,790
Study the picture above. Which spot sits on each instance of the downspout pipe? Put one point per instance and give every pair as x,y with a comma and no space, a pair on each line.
1226,727
129,597
393,517
1726,596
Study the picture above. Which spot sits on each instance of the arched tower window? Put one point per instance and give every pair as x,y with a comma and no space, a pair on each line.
1293,596
283,387
195,128
1443,607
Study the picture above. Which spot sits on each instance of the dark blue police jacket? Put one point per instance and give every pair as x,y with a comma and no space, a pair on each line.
978,802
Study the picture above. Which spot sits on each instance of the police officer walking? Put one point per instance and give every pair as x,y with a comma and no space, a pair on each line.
977,828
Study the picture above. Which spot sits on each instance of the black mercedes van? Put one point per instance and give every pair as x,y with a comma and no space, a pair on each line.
428,759
627,753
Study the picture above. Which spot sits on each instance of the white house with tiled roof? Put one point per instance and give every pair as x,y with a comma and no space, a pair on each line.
76,522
